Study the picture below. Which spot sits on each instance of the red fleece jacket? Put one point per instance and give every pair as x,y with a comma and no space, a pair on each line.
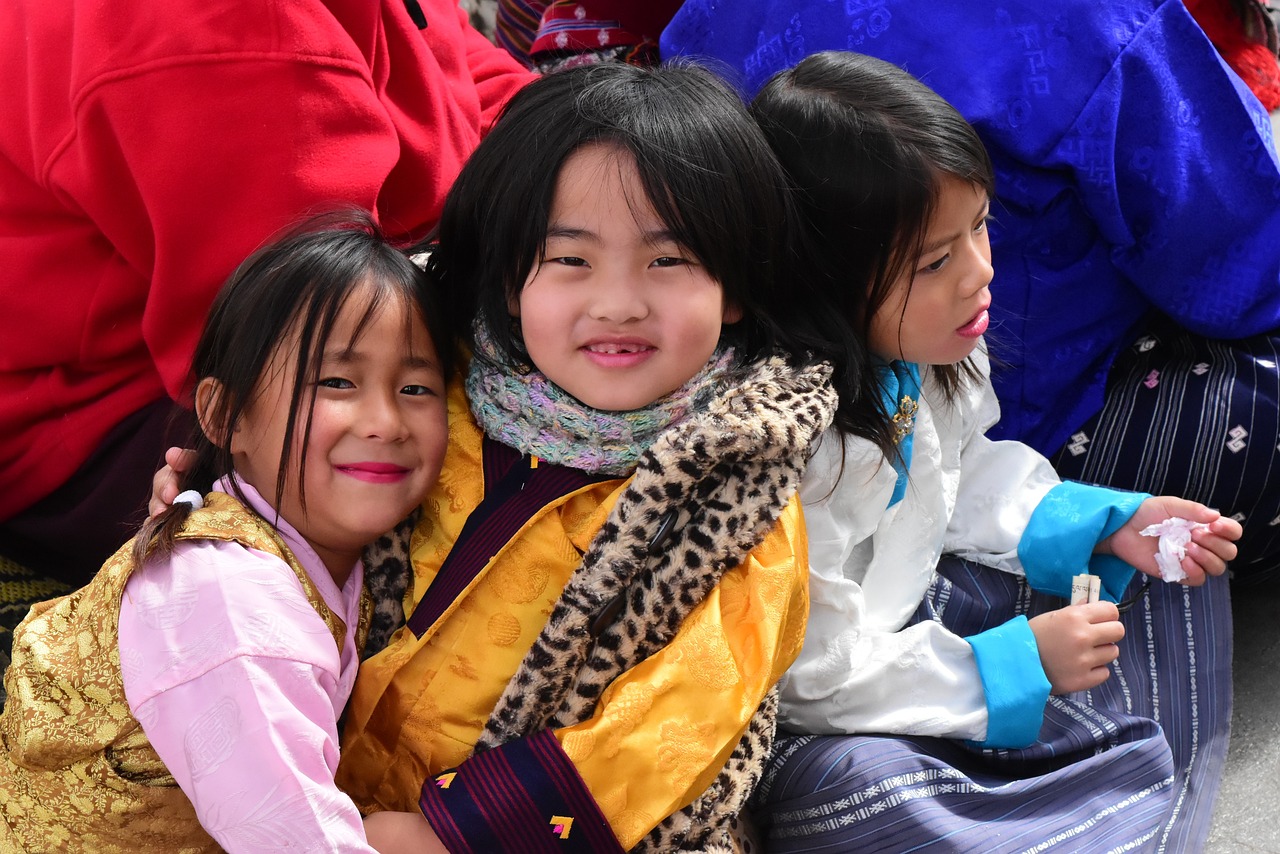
147,147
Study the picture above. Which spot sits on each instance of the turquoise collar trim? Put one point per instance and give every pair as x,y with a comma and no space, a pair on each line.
900,400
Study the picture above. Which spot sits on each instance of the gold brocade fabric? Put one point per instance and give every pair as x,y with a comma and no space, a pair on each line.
661,731
78,773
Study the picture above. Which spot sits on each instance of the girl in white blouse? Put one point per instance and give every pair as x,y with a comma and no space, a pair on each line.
895,187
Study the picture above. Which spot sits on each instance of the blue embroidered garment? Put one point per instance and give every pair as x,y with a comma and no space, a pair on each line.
900,398
1134,173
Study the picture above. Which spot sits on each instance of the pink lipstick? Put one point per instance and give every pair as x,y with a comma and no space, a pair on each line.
975,326
371,472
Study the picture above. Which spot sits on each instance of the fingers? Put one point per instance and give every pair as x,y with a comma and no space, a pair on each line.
1227,528
1103,654
1219,540
1184,508
1095,677
1210,551
1077,644
164,488
1101,612
1170,506
1090,670
180,459
166,483
1108,633
1200,563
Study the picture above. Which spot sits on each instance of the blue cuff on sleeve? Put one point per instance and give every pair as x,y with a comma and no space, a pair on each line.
1014,682
1067,524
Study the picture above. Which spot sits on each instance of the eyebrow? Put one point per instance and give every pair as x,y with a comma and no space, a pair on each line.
564,232
412,361
935,245
349,355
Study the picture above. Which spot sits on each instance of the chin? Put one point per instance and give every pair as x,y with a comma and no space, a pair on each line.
613,407
608,402
953,358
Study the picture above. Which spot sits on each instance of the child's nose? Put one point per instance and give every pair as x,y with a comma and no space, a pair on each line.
980,271
619,298
383,418
982,274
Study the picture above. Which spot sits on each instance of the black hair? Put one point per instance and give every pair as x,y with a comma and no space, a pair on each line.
866,145
291,291
709,174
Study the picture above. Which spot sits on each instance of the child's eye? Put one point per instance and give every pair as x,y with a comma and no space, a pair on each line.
981,226
418,390
669,261
336,382
568,261
936,265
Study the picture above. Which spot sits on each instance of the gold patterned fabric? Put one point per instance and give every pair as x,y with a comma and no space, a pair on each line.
20,588
78,773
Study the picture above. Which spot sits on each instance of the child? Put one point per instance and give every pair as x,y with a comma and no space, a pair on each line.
187,698
895,188
610,575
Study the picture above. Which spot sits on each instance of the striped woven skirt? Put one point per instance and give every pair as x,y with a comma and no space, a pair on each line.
1131,765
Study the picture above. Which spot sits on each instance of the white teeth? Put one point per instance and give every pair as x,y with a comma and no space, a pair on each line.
611,348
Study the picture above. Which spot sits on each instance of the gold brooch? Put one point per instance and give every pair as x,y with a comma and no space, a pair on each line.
905,419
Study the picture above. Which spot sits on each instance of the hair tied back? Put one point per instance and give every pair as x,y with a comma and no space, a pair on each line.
192,498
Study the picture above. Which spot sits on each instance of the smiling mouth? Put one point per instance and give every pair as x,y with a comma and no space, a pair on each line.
616,349
371,472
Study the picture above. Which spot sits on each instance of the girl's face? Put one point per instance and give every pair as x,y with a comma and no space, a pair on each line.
378,430
936,314
616,313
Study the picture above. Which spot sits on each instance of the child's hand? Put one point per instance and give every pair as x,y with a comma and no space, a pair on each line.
1077,643
393,832
165,483
1207,553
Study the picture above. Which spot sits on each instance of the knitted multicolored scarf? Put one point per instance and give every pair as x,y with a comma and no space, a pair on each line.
528,412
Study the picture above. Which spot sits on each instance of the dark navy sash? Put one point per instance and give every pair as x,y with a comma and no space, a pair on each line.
516,488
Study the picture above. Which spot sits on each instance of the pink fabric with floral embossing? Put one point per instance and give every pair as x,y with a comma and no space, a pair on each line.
238,684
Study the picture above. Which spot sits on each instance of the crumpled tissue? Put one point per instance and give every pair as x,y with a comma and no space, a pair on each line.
1174,534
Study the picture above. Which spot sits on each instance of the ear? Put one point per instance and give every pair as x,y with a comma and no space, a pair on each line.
210,412
732,312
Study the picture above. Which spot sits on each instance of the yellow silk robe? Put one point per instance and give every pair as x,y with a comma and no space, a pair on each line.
660,733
